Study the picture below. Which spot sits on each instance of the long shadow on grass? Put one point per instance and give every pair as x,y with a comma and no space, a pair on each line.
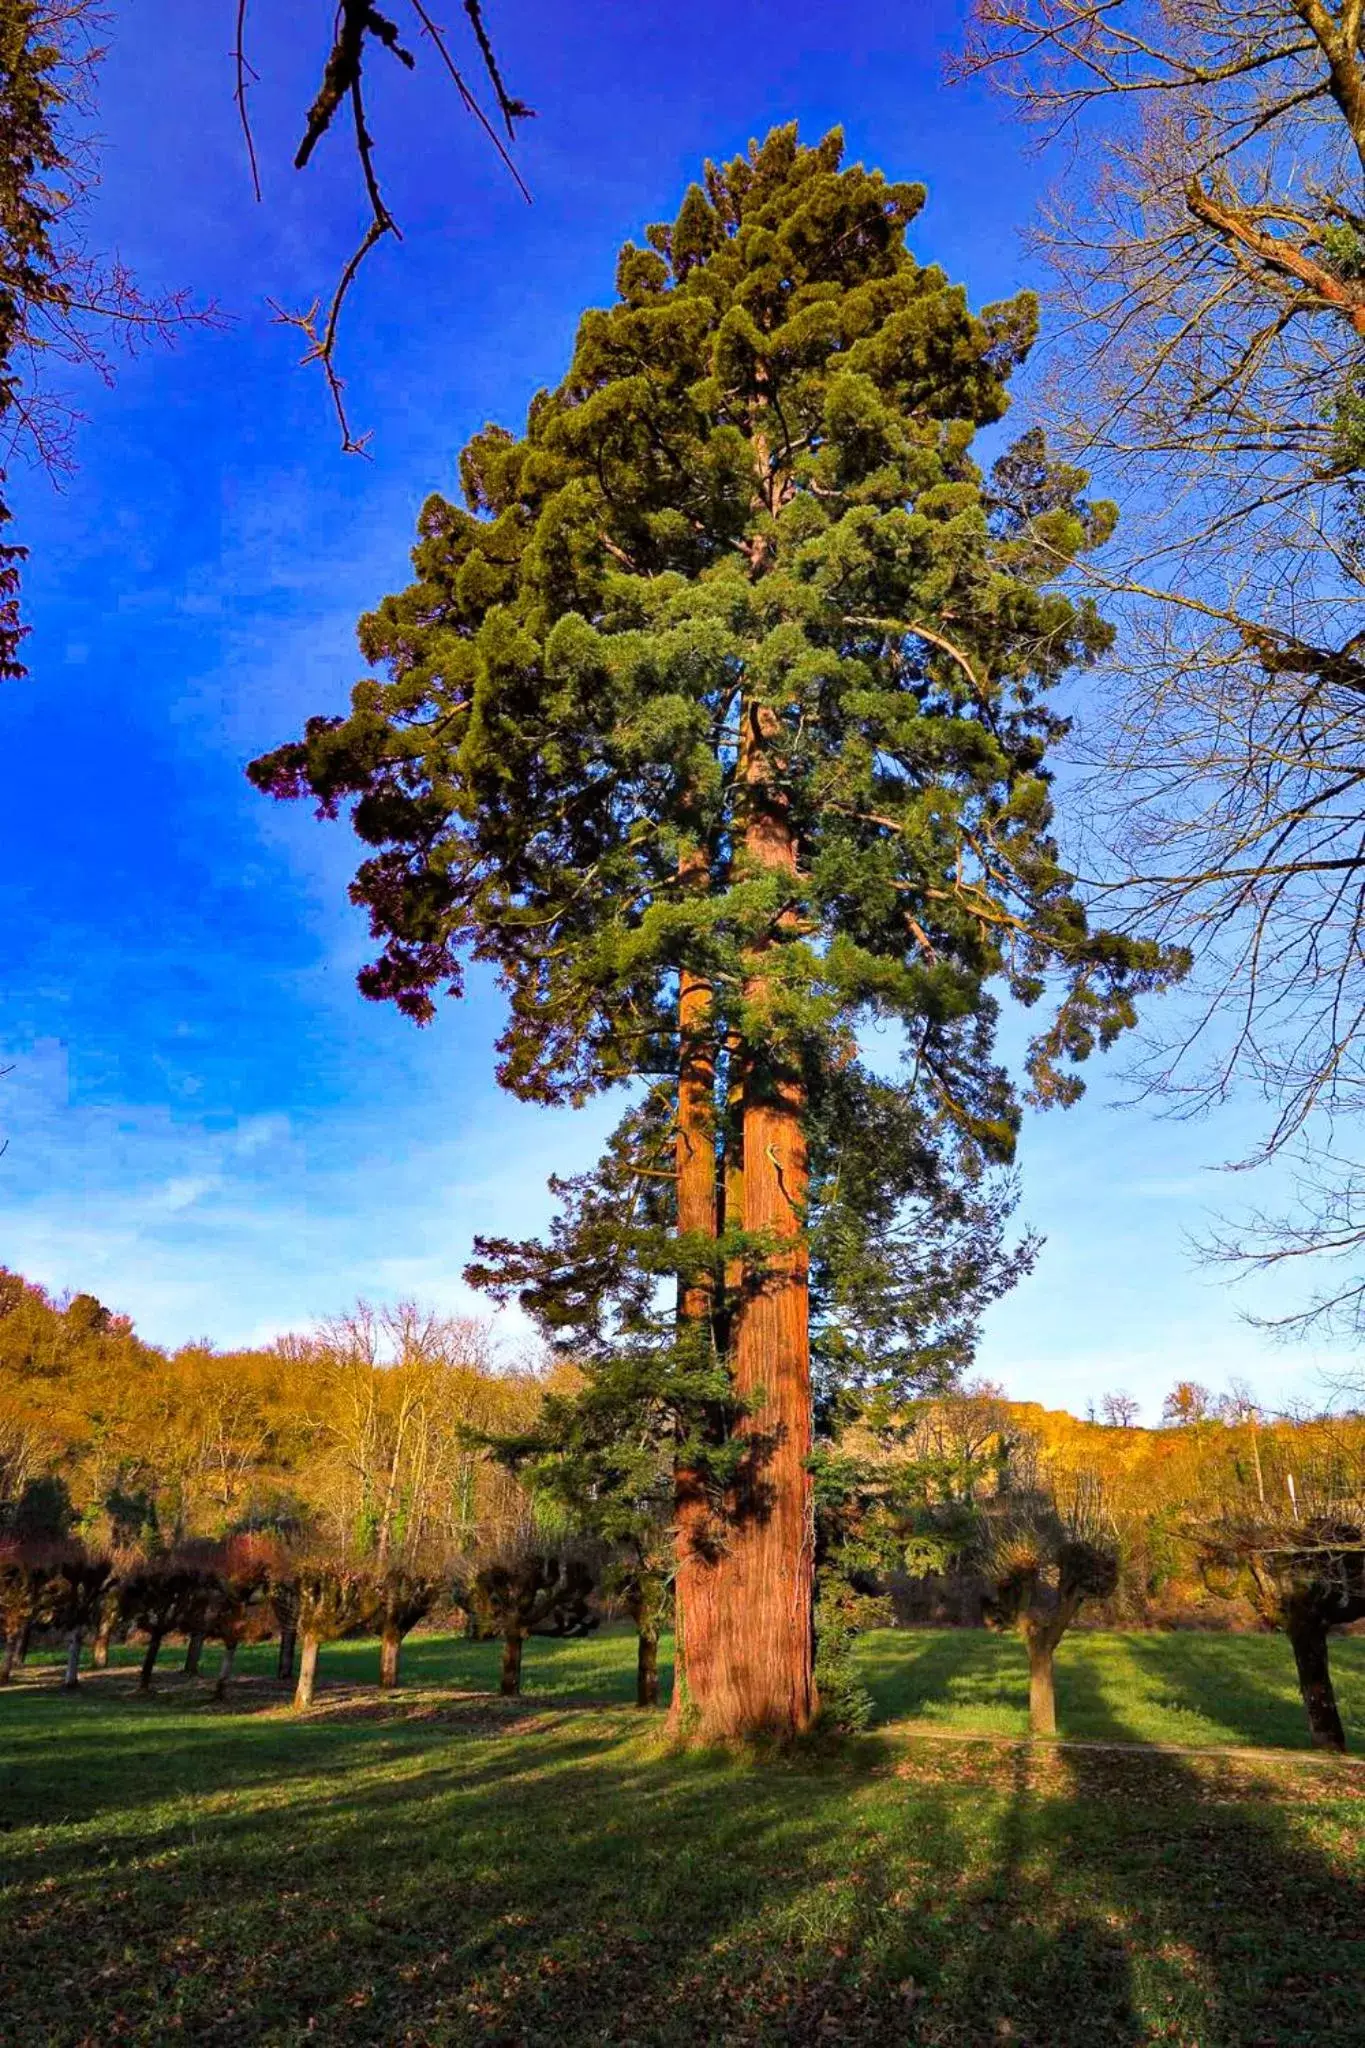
569,1886
543,1894
1085,1705
956,1667
78,1761
987,1675
1217,1679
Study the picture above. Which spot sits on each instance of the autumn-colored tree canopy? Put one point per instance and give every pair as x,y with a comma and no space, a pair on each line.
358,1434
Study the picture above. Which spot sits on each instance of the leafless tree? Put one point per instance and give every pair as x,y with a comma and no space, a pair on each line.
1207,243
64,305
1188,1404
1119,1410
358,29
67,305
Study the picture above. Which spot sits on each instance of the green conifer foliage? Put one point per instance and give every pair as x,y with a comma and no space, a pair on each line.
717,720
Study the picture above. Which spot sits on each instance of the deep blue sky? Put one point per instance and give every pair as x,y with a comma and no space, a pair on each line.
207,1126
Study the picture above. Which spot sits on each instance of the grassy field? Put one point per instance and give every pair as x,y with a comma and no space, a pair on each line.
447,1868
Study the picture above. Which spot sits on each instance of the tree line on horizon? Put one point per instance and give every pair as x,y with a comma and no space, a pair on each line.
387,1469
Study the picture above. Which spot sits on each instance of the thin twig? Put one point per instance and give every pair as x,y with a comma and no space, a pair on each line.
245,76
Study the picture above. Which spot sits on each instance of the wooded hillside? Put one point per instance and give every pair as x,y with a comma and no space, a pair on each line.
361,1433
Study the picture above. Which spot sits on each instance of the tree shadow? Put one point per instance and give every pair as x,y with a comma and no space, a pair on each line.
563,1881
1087,1708
580,1892
1213,1676
931,1673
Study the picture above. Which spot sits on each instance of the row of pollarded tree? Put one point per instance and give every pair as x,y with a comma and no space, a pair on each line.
250,1589
1302,1566
1276,1521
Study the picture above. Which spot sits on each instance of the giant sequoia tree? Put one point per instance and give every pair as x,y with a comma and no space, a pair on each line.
717,721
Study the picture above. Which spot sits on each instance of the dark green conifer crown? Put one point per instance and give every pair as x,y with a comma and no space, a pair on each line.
754,487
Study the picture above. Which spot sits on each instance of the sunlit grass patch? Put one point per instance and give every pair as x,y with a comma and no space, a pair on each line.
450,1871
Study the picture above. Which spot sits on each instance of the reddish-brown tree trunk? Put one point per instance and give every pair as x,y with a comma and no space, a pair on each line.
390,1650
768,1570
760,1675
99,1650
194,1650
695,1165
284,1667
510,1682
7,1662
308,1672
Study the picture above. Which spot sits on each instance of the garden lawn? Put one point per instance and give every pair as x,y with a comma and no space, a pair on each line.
1180,1687
1177,1686
443,1868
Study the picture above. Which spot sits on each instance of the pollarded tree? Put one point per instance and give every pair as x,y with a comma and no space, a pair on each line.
1045,1559
163,1594
27,1571
74,1598
238,1608
1294,1542
333,1599
407,1594
530,1590
718,723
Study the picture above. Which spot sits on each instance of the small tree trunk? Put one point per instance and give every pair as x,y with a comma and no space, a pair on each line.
647,1670
11,1653
308,1672
390,1649
1308,1640
99,1655
25,1636
220,1684
71,1682
194,1650
1042,1691
510,1684
150,1655
288,1643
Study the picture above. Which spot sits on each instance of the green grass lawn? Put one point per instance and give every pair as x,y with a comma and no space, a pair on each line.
1181,1687
448,1869
1178,1687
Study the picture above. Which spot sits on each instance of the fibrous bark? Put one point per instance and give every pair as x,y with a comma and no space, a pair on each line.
695,1166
